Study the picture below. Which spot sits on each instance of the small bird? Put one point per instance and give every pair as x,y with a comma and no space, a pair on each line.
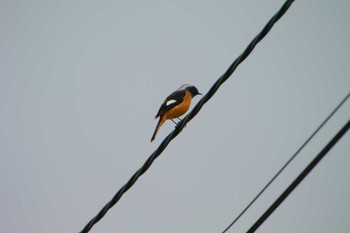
175,105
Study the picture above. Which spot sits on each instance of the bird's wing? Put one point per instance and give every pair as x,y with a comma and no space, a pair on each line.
171,101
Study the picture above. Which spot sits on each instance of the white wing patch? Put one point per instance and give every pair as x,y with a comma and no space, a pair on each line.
170,102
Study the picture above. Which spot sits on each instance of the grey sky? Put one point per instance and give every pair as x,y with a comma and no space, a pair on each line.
80,83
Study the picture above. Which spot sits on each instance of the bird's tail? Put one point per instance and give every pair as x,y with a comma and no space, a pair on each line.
160,123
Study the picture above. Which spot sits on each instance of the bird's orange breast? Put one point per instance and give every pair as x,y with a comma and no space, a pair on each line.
180,109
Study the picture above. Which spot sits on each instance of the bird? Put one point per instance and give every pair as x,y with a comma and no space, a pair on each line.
175,105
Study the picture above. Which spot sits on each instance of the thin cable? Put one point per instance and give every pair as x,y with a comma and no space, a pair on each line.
300,178
188,118
290,160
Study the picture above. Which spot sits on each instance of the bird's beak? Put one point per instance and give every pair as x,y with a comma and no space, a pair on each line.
199,94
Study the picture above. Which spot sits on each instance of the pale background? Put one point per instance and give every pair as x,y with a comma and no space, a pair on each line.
80,83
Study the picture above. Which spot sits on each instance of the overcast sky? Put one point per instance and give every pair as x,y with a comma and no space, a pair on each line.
80,83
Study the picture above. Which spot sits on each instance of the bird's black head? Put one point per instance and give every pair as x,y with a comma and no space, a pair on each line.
193,90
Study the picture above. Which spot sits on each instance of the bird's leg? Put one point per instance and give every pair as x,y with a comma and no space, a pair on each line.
180,121
174,121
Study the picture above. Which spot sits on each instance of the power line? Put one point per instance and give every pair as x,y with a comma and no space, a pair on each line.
289,161
300,178
189,117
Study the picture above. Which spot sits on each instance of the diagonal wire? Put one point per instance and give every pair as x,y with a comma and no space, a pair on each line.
300,177
290,160
188,118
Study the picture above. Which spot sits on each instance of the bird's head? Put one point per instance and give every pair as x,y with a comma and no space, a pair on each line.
191,89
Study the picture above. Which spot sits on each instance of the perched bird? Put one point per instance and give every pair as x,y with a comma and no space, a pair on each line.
175,105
